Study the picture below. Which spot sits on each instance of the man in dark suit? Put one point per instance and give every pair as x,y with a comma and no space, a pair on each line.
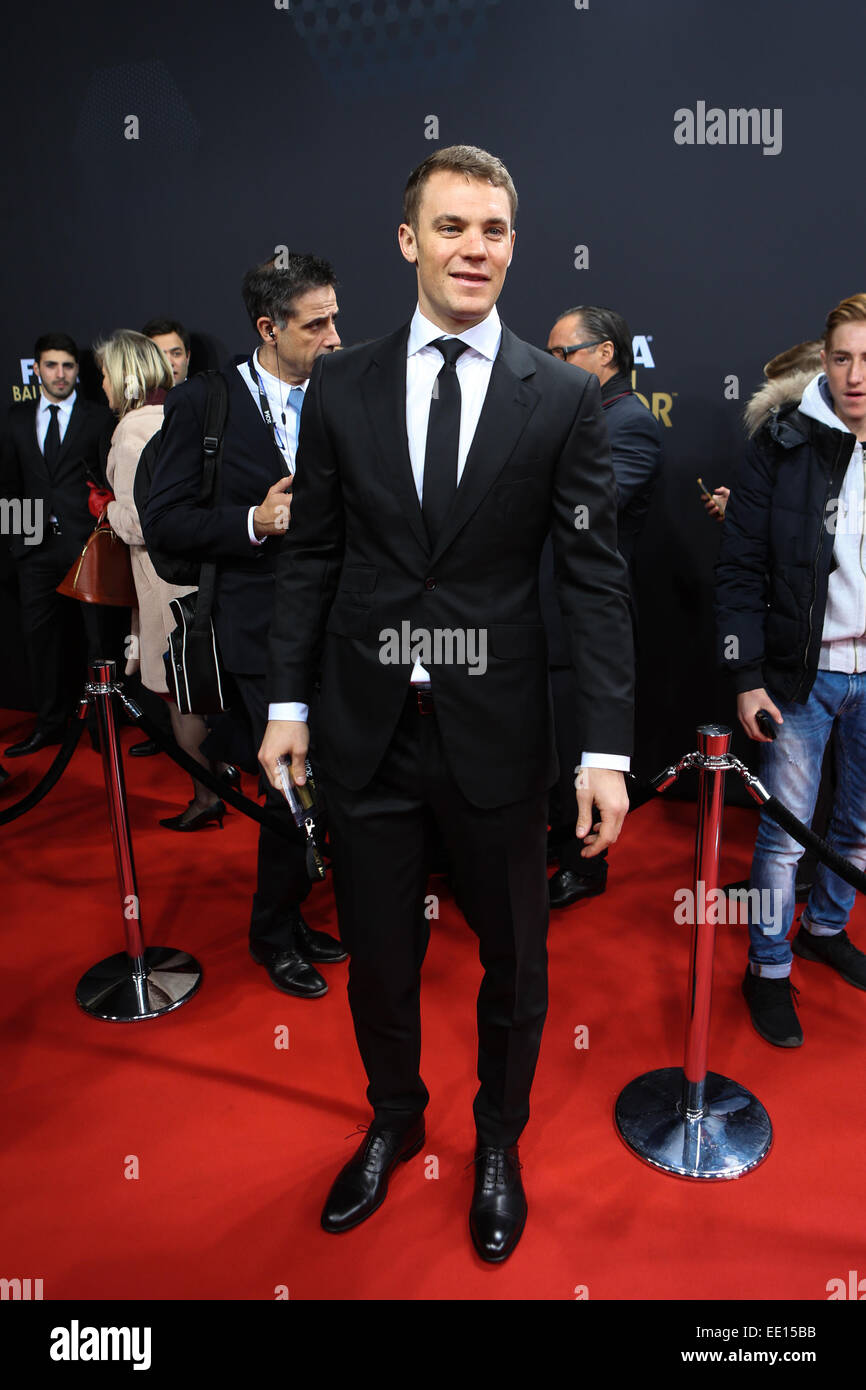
50,448
432,465
599,341
292,308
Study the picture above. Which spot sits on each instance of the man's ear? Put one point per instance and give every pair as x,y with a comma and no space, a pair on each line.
38,374
408,243
266,328
511,256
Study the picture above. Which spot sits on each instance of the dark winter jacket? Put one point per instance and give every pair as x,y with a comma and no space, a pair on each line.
777,553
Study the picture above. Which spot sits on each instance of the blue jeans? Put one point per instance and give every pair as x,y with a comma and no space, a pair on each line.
790,768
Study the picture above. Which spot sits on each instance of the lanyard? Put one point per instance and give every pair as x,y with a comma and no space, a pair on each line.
279,443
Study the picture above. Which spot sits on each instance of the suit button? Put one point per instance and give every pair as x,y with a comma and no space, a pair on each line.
429,583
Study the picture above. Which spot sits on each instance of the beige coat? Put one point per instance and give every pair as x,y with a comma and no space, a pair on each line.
152,622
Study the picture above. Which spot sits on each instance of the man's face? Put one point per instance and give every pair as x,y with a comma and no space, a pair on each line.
172,348
461,247
309,333
570,330
58,372
845,364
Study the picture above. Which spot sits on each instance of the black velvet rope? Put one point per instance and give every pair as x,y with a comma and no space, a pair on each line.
804,836
774,808
263,815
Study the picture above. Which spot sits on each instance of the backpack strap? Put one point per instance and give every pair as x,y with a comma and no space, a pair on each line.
215,416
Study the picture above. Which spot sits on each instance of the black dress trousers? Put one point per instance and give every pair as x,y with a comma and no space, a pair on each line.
380,838
282,881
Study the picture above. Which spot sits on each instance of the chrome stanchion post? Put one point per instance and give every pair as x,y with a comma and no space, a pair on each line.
690,1121
713,744
140,982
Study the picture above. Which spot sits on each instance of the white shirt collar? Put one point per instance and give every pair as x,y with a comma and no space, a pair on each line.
484,337
276,385
65,406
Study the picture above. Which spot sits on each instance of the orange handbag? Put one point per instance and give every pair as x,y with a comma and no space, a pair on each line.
103,571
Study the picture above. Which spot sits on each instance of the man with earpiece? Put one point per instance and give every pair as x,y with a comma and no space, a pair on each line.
292,306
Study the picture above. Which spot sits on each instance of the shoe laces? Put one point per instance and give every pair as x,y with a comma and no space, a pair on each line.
497,1162
377,1146
784,983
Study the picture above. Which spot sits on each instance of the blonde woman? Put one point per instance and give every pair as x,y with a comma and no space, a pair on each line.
136,379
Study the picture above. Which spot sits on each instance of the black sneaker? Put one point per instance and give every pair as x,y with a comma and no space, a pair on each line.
837,951
771,1005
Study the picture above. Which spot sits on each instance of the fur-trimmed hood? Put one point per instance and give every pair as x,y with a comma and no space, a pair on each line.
783,390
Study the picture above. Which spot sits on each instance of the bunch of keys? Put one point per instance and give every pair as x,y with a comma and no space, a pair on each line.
302,804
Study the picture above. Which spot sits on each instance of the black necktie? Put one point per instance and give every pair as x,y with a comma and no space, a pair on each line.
51,447
443,439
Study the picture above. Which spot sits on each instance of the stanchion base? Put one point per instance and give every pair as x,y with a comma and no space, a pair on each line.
112,990
733,1136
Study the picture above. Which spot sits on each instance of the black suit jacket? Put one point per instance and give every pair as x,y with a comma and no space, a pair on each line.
24,474
357,563
176,522
635,449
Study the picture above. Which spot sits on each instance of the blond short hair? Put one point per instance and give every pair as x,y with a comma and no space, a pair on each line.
134,365
851,310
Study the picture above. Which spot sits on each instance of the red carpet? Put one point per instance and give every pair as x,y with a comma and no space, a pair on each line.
237,1141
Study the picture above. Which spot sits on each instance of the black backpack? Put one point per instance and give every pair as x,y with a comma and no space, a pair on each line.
179,569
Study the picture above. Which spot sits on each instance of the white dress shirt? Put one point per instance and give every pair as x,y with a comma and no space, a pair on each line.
473,367
287,419
424,363
43,420
43,416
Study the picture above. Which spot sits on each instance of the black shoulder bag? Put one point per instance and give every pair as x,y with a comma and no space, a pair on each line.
192,661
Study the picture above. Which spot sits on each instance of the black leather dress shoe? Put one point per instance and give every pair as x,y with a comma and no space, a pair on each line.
146,749
362,1185
292,974
565,887
317,945
498,1212
40,738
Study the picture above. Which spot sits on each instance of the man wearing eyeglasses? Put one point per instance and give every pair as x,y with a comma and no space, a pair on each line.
599,341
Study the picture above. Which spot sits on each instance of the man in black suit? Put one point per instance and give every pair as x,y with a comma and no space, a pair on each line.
599,341
293,308
50,448
432,465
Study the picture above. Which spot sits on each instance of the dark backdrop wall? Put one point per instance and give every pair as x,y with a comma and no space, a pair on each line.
295,123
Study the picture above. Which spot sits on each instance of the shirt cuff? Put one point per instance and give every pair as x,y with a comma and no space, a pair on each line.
250,528
616,762
291,710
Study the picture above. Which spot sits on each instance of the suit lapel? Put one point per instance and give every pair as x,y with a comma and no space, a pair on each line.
73,429
385,403
508,405
32,456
